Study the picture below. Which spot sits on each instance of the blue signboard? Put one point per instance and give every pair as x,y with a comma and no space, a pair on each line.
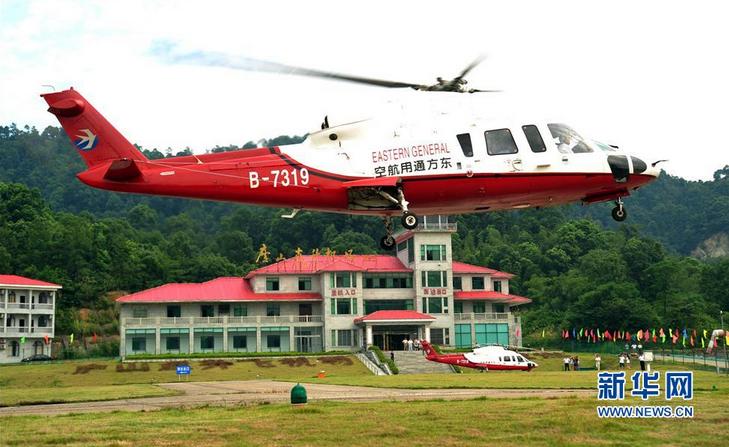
183,370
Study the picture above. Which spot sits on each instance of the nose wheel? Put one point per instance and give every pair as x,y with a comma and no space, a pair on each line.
619,212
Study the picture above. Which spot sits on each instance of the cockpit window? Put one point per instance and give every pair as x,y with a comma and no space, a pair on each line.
604,147
534,138
464,139
521,359
500,142
567,140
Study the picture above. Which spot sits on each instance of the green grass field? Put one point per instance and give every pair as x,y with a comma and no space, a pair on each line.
56,382
540,422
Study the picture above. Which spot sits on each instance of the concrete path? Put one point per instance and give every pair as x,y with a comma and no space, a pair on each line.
260,391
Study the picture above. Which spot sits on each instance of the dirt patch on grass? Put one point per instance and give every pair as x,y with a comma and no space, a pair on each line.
84,369
210,364
132,367
296,362
336,360
261,363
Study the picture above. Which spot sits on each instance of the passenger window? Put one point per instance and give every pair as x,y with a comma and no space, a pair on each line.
507,359
464,139
500,142
534,138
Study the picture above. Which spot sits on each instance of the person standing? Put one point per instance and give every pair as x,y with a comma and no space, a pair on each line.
567,362
598,359
641,359
621,361
410,344
577,363
627,360
404,344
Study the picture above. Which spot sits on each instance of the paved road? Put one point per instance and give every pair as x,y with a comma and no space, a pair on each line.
259,391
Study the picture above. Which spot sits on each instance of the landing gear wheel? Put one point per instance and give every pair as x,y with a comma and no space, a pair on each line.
619,213
387,242
409,220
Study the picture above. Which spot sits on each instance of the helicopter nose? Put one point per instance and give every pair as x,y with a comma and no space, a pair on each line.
639,165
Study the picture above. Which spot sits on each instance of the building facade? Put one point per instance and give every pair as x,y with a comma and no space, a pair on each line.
322,303
27,308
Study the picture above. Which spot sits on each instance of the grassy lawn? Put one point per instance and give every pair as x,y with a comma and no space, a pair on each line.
60,382
542,422
36,395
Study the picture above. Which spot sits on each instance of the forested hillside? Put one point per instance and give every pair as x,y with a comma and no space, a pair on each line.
52,227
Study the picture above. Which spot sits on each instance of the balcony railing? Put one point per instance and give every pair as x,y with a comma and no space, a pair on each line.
18,305
25,330
489,316
219,321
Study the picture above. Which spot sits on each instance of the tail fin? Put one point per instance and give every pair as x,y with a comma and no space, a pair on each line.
428,349
95,138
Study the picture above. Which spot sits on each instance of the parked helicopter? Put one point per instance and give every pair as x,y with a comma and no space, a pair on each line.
484,358
446,165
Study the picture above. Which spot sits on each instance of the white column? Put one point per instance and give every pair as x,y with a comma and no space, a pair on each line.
370,338
157,339
427,334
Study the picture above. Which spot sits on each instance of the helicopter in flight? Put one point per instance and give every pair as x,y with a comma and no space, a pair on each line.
449,164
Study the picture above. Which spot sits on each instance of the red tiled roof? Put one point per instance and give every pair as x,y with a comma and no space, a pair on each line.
15,280
394,315
311,264
220,289
462,267
490,295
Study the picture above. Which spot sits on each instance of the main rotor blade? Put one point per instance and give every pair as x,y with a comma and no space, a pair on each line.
470,67
250,64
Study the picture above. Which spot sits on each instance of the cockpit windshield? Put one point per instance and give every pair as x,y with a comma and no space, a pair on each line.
568,140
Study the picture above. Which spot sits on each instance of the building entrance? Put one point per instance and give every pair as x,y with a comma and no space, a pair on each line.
389,338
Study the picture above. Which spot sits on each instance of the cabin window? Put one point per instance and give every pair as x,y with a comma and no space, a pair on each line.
507,358
534,138
500,142
567,140
521,359
464,139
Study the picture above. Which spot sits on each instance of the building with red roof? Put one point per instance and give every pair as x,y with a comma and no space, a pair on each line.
331,302
27,308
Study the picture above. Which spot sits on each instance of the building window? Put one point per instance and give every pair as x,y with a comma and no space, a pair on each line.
375,305
306,309
479,307
172,343
207,310
43,321
458,307
273,310
343,280
305,283
388,281
492,333
207,342
273,341
500,142
139,344
174,311
435,305
139,312
434,279
432,252
240,310
536,143
464,139
272,284
497,286
402,246
223,309
344,306
457,283
477,283
499,308
343,338
439,336
240,342
411,251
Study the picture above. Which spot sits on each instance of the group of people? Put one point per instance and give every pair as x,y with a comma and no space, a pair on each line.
409,344
572,363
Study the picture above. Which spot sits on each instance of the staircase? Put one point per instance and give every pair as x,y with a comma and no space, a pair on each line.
414,362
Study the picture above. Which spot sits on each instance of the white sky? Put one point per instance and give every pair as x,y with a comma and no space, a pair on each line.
651,76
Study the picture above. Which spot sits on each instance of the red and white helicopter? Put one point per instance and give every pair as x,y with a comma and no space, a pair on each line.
442,165
495,358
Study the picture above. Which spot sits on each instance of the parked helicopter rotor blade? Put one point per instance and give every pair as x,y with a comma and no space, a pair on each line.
470,67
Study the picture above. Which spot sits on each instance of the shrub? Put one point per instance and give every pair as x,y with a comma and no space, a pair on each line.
385,359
